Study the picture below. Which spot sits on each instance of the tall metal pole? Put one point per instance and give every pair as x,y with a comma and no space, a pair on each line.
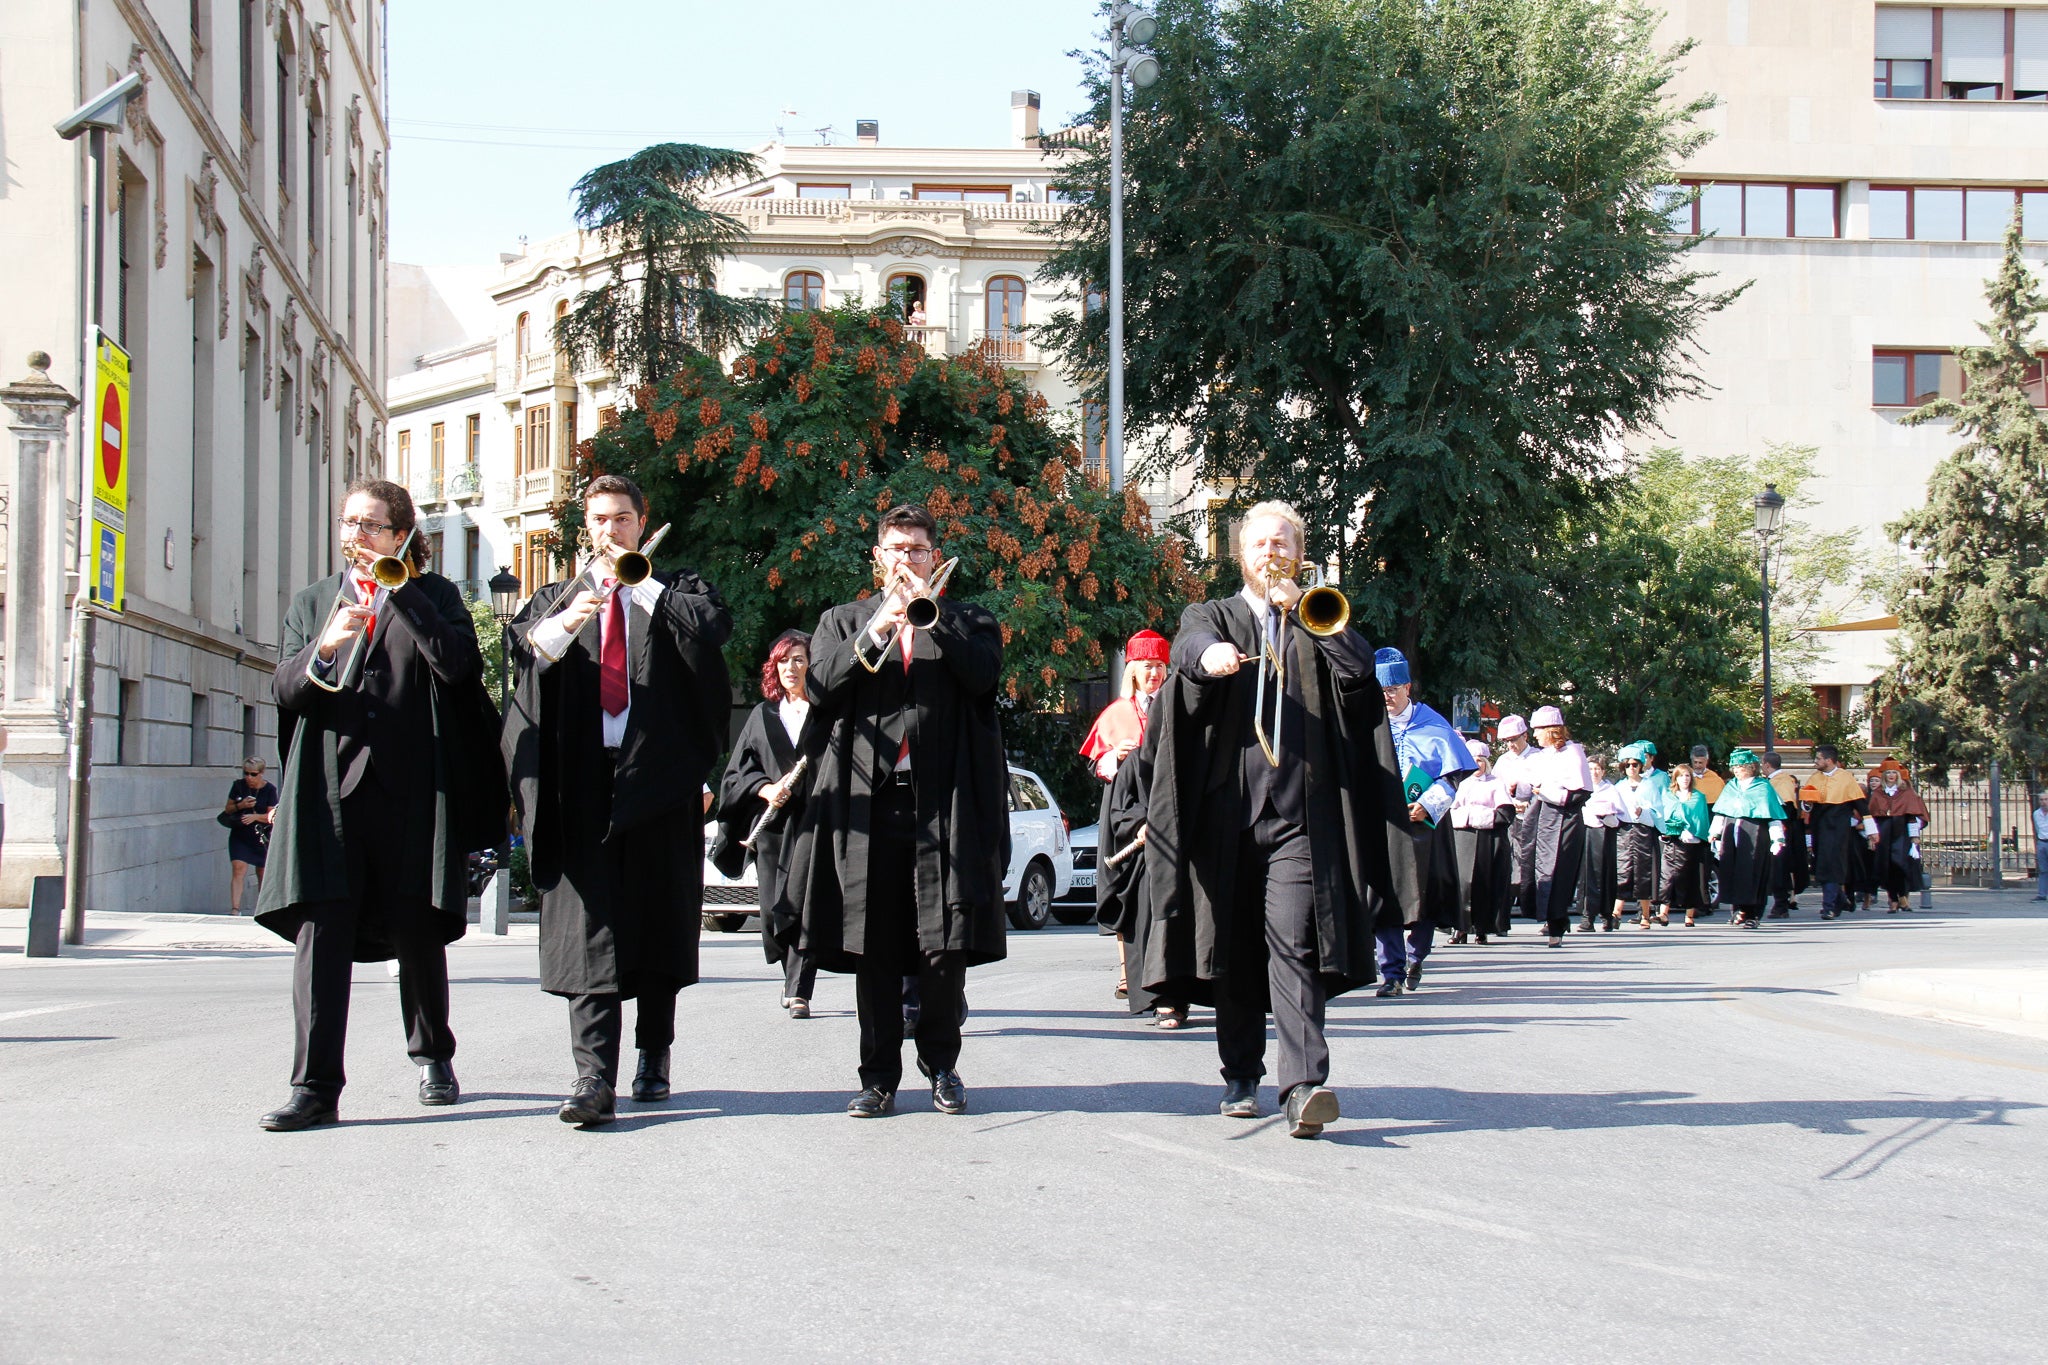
1764,551
1115,433
78,844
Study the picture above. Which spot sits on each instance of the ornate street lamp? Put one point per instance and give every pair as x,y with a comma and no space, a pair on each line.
504,587
1770,516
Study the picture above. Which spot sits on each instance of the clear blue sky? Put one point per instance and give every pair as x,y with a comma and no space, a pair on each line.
498,106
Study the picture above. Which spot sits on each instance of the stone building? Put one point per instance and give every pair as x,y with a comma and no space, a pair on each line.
244,273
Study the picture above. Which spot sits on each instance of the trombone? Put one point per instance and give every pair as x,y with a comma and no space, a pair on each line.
389,572
1323,611
921,612
630,568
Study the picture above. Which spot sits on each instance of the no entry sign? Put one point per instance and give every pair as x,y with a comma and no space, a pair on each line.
111,378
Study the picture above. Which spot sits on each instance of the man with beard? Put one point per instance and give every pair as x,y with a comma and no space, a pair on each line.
897,865
391,780
1788,875
1838,826
1277,831
619,711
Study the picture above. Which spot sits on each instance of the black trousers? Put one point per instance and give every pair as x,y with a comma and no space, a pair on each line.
597,1022
1274,918
799,974
893,953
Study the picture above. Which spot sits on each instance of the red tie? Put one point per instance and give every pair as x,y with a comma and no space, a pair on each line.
903,753
366,589
611,660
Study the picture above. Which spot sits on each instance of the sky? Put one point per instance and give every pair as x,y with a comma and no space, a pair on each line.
498,106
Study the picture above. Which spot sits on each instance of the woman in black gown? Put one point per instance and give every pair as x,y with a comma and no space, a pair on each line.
760,774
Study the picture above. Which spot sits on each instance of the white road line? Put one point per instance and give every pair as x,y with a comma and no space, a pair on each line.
1679,1272
46,1009
1175,1149
1457,1220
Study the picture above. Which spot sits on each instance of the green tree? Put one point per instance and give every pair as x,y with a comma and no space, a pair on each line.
490,638
1970,678
661,304
1665,586
1405,263
773,470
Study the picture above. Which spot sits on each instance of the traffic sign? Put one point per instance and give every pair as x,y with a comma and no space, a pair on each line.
111,387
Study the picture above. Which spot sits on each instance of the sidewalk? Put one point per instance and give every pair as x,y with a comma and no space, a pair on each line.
2012,998
130,932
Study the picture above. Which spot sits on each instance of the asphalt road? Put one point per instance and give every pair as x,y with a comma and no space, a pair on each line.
1662,1145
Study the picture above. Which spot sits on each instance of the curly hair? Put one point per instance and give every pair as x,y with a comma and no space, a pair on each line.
785,643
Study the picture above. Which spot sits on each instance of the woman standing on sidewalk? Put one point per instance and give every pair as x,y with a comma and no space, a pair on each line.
1683,822
251,807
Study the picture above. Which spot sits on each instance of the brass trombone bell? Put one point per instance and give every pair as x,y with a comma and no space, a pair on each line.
1323,609
390,572
633,566
921,611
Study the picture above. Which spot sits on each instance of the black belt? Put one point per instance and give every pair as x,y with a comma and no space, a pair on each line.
898,777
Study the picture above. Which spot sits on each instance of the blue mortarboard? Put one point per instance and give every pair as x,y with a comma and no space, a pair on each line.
1391,666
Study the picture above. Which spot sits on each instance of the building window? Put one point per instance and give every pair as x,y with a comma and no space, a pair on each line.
1005,307
473,439
538,448
405,458
803,289
971,194
1906,379
473,555
1724,209
522,335
518,447
437,449
1950,213
824,191
907,292
536,560
569,427
1095,440
607,417
248,61
1961,52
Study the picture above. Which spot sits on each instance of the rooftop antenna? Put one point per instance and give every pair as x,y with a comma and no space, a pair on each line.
782,118
825,135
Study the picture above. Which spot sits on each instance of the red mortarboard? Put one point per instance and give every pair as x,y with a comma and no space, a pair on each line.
1148,644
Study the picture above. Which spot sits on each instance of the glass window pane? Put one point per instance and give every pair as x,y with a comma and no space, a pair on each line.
1888,213
1888,381
986,196
1813,211
1938,215
1949,371
1721,210
2034,219
1909,80
1677,213
1986,214
1765,211
926,192
1926,377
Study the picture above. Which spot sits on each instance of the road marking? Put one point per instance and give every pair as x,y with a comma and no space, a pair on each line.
46,1009
1677,1271
1175,1149
1456,1220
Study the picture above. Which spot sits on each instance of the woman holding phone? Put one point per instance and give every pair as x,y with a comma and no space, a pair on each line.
252,803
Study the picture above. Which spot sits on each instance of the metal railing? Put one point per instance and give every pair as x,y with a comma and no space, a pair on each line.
426,487
466,482
1007,347
1958,836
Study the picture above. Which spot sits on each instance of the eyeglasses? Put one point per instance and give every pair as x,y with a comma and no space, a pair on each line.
916,554
363,527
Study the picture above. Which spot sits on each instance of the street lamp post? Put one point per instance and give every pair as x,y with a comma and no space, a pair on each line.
504,587
1770,515
1131,27
97,117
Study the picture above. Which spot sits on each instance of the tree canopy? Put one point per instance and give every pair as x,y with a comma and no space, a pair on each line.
1405,263
1970,681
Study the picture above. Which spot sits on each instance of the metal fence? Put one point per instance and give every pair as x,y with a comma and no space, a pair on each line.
1959,829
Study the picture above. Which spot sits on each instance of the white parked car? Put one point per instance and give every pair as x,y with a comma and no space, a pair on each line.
1078,905
1041,864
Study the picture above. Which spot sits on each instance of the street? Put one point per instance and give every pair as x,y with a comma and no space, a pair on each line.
1650,1145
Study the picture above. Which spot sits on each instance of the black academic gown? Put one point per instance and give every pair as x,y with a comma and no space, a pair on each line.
1486,875
1893,867
617,846
1838,841
1361,852
419,730
762,754
1123,894
946,704
1442,901
1743,854
1599,871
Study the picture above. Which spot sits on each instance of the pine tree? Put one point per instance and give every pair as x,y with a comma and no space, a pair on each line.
1969,682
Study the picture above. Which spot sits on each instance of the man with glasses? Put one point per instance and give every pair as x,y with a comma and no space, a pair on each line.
896,868
619,709
391,779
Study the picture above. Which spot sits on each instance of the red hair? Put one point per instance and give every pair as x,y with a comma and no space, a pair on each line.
785,643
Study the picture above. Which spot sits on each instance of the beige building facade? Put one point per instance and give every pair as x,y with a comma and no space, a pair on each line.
243,272
1865,161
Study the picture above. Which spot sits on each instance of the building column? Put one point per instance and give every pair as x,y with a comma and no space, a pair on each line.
36,635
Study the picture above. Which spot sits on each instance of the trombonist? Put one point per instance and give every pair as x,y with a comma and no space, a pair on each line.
618,710
1276,828
391,779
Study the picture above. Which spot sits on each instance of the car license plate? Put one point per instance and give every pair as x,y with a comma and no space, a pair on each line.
1084,879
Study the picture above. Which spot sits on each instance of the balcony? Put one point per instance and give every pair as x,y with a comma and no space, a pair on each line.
541,488
425,488
466,484
1013,349
933,339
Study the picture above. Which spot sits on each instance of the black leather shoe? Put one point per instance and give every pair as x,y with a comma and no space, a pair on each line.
591,1102
1240,1100
1309,1107
305,1109
1414,976
438,1084
949,1095
650,1082
1391,986
872,1103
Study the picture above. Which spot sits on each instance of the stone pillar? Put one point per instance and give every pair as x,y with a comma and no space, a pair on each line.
37,630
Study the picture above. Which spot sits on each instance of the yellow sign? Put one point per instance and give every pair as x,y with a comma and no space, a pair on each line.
112,456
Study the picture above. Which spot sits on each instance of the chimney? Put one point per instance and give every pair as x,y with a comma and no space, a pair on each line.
1023,118
868,131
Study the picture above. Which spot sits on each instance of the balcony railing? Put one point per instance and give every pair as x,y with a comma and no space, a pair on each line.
1007,347
543,486
426,487
466,482
933,339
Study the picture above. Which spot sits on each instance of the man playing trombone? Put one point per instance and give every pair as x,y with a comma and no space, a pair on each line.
391,779
897,864
1276,827
619,709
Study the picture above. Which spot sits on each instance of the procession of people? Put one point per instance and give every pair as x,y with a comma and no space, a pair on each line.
1282,818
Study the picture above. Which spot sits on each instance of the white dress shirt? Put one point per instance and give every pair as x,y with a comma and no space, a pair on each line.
551,640
791,712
